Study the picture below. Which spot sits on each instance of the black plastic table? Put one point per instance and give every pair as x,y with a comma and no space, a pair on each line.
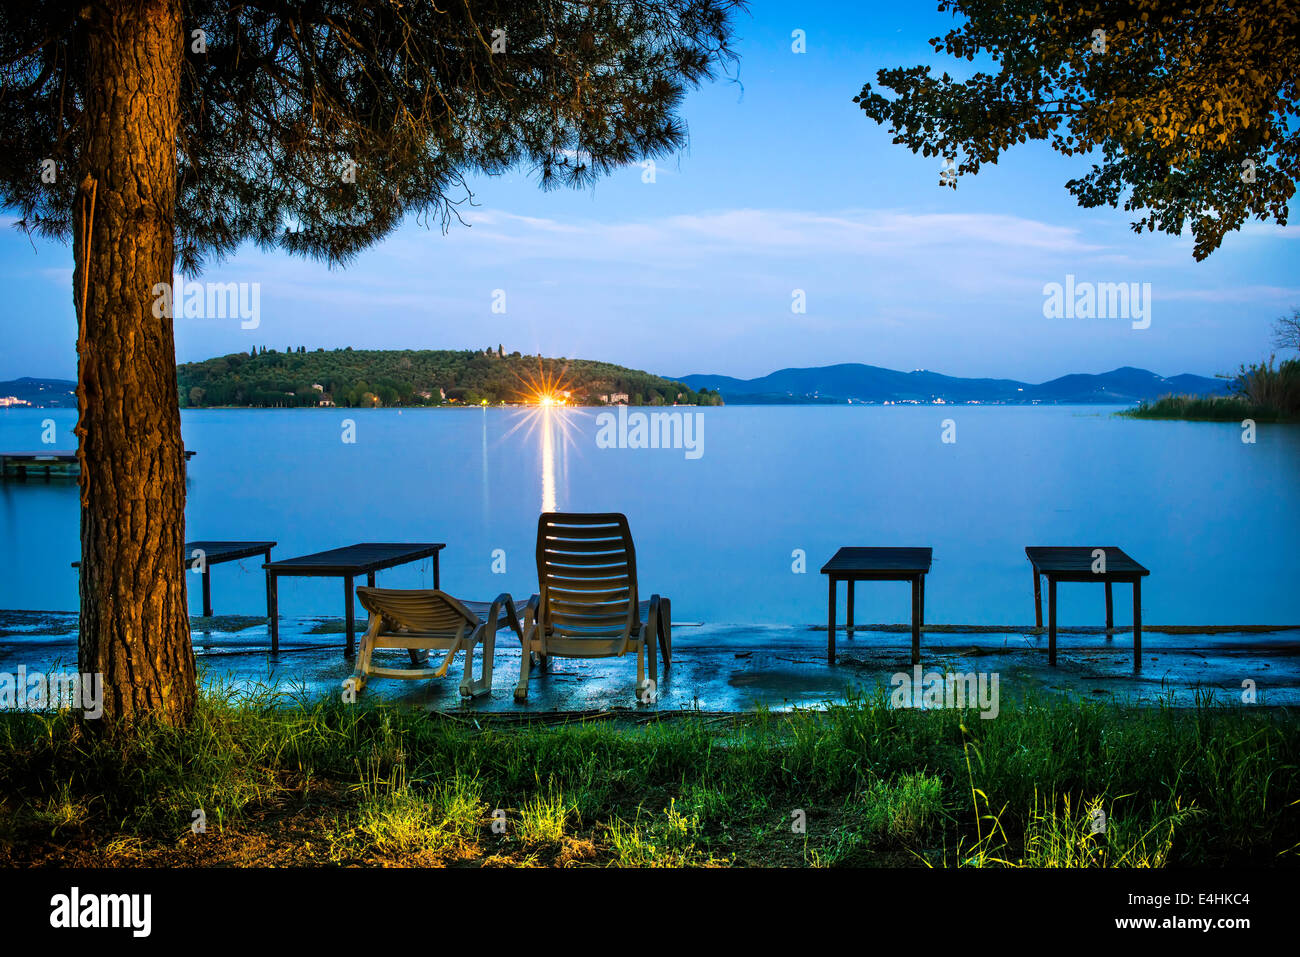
347,562
214,553
852,565
1075,564
203,555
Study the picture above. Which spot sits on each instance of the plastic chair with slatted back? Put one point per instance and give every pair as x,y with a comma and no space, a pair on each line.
431,620
588,605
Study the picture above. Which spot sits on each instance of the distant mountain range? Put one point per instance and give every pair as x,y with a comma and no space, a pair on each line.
863,383
42,393
838,384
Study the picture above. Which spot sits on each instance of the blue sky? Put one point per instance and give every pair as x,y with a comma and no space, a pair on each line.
785,185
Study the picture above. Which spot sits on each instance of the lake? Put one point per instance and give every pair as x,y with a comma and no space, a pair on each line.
720,523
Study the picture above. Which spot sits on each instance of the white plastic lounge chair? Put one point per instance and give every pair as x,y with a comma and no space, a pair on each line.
431,620
588,606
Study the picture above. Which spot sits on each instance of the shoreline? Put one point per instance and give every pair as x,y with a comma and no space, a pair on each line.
1121,409
741,668
947,628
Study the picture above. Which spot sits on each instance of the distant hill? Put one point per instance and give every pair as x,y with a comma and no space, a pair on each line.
411,377
42,393
399,377
864,383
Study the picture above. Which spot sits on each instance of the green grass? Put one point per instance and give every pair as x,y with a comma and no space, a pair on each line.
293,782
543,817
392,817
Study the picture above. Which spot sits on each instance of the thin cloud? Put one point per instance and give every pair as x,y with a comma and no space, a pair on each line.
1232,294
786,231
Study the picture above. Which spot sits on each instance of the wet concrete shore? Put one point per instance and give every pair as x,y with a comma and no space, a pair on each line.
733,668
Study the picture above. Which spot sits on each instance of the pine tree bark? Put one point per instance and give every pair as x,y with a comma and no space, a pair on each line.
134,625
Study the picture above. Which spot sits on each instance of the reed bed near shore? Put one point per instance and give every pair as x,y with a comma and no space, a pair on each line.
1263,391
1203,408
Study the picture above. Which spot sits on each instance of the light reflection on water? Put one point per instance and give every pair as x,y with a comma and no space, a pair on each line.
548,460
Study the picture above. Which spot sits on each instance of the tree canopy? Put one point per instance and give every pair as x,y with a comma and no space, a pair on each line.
1188,111
316,127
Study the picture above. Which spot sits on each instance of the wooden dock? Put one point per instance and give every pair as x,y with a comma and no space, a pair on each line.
45,464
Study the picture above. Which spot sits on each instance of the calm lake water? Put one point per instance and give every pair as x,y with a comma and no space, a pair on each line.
1216,520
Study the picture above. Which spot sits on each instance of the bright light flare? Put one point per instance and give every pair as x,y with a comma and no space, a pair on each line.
546,388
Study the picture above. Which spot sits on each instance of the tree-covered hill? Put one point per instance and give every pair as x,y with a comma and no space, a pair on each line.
410,377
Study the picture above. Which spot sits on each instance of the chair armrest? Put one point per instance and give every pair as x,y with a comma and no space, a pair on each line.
652,615
529,618
504,600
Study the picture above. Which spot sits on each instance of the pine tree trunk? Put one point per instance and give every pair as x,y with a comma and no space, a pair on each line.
134,622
